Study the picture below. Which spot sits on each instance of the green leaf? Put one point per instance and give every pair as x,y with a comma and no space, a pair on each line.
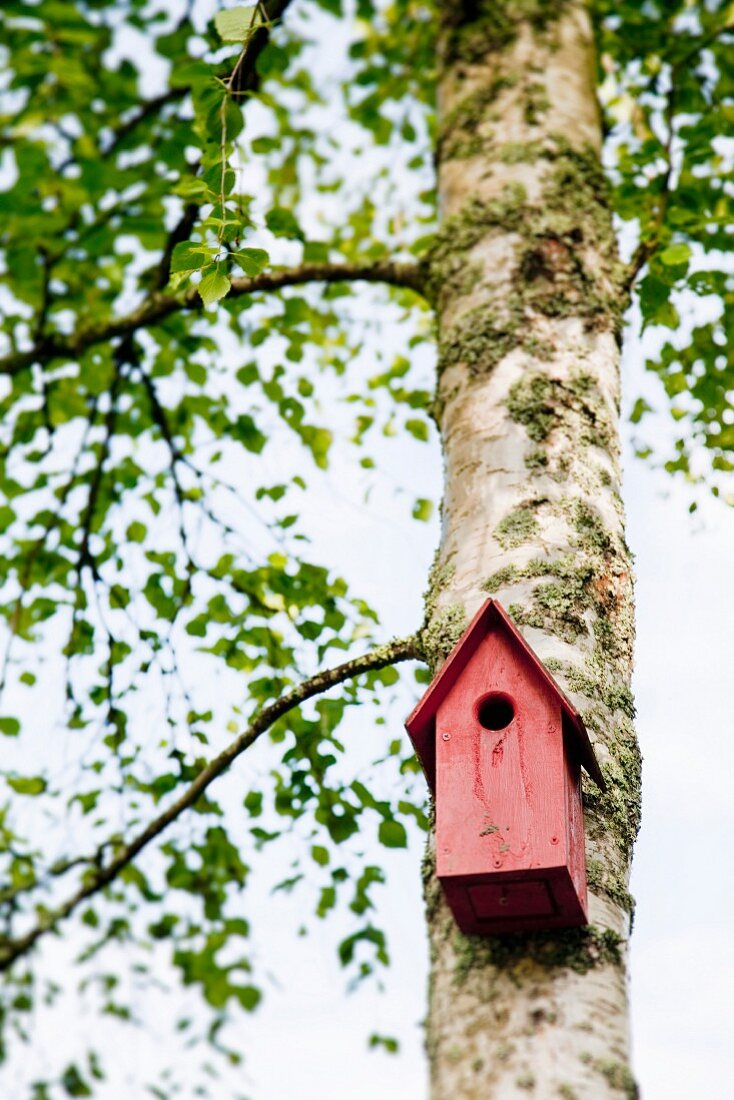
254,803
10,727
315,252
423,509
639,409
88,801
196,372
318,440
136,531
334,7
74,1084
418,429
327,901
392,834
188,257
31,785
675,254
282,223
252,260
389,1044
248,996
320,855
213,287
234,24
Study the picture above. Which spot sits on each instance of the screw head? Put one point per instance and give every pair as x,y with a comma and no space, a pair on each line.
554,840
446,736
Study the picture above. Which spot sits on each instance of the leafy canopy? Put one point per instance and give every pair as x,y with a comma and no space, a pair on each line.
667,86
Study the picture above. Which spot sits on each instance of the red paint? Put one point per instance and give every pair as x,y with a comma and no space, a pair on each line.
502,748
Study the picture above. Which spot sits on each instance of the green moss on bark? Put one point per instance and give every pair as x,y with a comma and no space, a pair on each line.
518,152
577,949
501,579
564,600
601,880
565,264
541,403
618,1076
536,459
432,894
617,812
482,337
557,283
536,103
594,682
473,31
464,130
441,633
560,606
462,231
530,403
518,527
443,626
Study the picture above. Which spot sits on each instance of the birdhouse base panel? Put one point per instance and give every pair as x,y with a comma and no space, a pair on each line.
514,901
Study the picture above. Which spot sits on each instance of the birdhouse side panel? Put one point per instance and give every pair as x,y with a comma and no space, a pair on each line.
575,819
500,792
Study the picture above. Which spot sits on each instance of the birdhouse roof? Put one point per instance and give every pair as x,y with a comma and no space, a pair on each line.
421,723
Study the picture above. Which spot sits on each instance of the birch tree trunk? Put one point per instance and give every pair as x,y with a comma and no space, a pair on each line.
529,299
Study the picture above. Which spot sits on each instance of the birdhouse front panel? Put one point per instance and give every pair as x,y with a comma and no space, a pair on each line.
503,796
502,748
500,773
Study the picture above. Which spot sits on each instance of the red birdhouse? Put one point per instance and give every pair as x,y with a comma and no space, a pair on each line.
502,749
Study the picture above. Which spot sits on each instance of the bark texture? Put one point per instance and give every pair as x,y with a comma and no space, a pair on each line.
529,297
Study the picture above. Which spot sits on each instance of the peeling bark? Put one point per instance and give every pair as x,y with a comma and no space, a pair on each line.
529,295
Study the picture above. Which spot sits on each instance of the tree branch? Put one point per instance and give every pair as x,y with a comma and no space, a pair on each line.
647,247
147,108
403,649
159,306
244,78
181,232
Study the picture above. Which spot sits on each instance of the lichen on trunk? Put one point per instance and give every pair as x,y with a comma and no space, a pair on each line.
529,297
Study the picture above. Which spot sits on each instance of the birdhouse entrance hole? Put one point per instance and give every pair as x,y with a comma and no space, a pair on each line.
495,711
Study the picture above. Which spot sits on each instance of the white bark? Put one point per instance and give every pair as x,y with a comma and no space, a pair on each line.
528,306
